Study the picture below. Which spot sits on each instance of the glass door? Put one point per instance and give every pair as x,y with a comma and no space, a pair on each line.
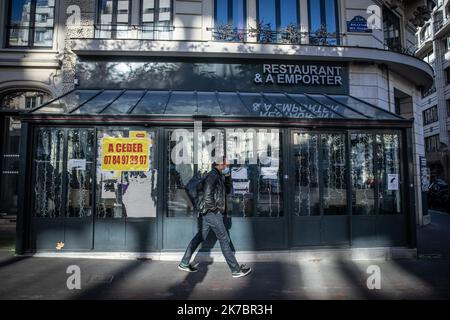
126,190
319,182
377,180
255,214
63,166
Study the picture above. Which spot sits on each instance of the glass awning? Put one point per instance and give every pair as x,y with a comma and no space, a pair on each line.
213,104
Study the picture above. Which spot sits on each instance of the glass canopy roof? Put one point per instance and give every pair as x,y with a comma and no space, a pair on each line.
213,104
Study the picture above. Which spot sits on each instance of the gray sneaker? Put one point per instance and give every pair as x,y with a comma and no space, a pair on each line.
243,271
187,268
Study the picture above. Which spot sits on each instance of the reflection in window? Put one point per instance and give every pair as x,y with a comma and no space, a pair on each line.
391,27
323,22
334,174
48,172
256,173
230,19
30,23
156,19
255,188
307,201
185,172
126,194
180,174
277,15
388,154
363,180
19,100
269,201
113,19
80,162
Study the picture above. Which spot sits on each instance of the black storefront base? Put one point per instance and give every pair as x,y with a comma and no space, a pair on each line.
248,234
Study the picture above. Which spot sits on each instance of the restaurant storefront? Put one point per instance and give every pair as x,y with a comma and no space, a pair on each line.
110,165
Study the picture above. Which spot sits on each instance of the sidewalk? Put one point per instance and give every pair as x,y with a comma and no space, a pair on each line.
425,278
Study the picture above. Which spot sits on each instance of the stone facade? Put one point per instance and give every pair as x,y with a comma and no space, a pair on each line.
375,73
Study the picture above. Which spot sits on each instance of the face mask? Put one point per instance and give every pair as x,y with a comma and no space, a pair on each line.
226,170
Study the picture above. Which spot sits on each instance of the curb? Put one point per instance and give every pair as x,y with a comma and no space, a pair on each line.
357,254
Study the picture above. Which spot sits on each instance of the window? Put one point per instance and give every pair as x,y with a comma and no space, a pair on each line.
429,57
448,108
430,115
275,16
320,174
447,76
447,44
113,19
255,183
425,33
156,19
229,19
432,143
324,22
389,177
30,23
61,189
376,174
397,105
392,31
126,194
20,100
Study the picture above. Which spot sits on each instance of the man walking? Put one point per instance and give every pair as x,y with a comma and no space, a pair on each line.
211,207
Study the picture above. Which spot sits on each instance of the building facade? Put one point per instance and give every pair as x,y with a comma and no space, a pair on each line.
317,104
433,47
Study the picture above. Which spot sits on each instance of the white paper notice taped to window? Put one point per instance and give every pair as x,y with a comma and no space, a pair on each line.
77,164
392,182
270,173
239,173
241,187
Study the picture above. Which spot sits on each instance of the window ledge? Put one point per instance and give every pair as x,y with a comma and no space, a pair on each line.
32,50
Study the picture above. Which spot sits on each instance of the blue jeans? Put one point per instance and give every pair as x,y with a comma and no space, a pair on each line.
214,222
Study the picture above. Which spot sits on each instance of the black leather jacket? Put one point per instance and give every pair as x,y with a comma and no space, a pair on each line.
213,197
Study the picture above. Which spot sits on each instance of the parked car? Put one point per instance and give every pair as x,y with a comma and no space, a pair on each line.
439,194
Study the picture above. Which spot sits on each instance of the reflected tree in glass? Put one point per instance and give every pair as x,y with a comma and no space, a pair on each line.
388,156
363,175
79,182
334,173
306,155
48,168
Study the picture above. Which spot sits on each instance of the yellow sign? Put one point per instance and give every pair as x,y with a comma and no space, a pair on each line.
125,154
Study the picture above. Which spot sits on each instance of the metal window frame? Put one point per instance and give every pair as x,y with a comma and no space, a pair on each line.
230,12
114,13
323,17
31,28
155,14
278,21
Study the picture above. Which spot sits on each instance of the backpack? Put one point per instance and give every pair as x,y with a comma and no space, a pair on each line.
194,189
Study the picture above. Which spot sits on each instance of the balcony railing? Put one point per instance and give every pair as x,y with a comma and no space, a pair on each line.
263,33
138,32
29,36
429,91
410,51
